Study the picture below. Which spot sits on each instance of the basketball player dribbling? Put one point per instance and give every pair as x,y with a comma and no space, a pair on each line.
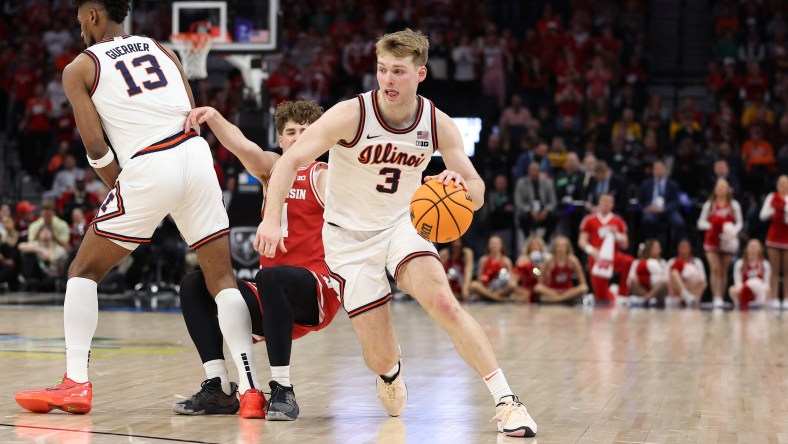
290,296
380,144
135,91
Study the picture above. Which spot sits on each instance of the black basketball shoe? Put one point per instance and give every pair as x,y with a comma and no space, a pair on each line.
282,406
210,400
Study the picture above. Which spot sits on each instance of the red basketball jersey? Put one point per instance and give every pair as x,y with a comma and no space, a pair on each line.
302,224
560,277
598,227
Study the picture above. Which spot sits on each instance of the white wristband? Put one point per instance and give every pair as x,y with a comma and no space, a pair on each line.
104,161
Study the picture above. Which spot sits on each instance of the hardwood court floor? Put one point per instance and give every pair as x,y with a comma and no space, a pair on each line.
590,376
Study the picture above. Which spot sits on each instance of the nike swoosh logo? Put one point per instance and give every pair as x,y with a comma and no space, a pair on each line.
372,137
491,376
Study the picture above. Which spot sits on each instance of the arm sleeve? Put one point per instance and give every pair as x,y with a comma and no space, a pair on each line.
767,211
703,220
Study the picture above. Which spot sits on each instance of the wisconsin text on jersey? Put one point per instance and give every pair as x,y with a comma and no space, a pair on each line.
118,51
375,154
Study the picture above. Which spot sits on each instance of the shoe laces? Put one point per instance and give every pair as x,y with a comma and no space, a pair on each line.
507,409
390,390
205,390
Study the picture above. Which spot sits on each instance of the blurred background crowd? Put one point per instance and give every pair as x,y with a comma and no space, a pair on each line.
649,103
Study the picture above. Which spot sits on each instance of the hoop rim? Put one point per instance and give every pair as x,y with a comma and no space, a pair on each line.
194,41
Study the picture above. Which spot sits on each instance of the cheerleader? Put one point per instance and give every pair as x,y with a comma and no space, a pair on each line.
775,210
722,220
494,272
686,275
648,276
556,281
528,268
457,260
751,274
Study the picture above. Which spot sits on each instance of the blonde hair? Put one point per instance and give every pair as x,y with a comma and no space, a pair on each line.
302,112
527,246
644,251
403,44
570,251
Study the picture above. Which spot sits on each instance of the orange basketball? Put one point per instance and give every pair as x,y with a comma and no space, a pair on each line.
441,213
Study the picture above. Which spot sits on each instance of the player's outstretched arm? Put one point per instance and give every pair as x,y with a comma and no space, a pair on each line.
77,82
338,123
458,167
253,158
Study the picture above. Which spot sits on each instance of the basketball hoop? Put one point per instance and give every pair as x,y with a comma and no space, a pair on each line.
193,49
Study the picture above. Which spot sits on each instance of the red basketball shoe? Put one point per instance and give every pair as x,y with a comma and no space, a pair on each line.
253,404
67,395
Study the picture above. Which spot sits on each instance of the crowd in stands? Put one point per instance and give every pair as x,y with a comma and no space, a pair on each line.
569,122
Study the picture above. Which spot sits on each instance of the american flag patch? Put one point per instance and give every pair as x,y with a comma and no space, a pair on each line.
422,135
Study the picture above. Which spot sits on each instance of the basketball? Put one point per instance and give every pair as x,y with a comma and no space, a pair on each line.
441,213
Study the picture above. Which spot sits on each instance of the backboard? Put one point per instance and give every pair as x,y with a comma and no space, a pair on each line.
237,26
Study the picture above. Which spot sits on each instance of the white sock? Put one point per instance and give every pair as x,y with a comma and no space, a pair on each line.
217,369
497,385
281,375
80,317
391,373
236,326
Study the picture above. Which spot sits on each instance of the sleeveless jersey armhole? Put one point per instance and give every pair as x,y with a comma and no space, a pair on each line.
97,67
360,130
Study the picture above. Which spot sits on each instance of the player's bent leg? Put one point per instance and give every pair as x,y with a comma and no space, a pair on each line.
217,395
378,339
424,278
288,295
234,320
73,393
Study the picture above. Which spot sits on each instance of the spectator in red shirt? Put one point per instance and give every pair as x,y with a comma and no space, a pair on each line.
754,84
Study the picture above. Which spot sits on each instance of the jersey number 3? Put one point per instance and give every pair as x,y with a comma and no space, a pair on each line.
154,69
392,180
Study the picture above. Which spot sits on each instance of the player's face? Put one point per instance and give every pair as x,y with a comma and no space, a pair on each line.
399,78
290,134
606,204
86,15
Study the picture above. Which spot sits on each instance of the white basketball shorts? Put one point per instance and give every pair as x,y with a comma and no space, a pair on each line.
358,260
173,177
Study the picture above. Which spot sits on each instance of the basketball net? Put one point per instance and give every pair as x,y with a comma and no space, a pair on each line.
193,49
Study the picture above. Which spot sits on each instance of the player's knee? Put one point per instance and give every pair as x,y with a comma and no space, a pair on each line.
192,283
268,278
78,269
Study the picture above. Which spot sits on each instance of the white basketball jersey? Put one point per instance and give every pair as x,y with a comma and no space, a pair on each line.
138,93
372,178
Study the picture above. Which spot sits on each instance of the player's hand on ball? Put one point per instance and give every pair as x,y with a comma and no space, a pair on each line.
198,116
446,177
268,237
